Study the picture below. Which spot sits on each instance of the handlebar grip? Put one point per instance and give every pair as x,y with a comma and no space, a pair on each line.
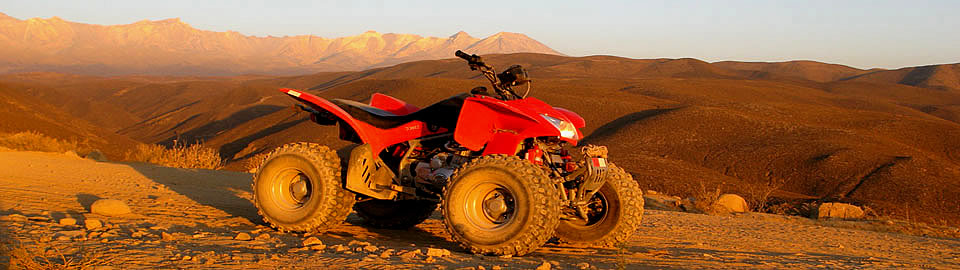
472,58
463,55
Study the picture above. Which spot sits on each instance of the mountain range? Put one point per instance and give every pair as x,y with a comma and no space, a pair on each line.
172,47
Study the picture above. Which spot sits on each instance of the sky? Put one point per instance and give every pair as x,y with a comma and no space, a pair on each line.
862,34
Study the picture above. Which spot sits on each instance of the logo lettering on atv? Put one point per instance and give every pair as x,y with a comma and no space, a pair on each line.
411,128
293,93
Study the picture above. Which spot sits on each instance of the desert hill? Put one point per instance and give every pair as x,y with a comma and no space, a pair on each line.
172,47
807,70
22,110
809,130
941,77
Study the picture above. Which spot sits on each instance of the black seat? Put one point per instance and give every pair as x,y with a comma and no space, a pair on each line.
441,114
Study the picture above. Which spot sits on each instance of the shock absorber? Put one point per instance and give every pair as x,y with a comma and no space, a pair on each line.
534,154
569,164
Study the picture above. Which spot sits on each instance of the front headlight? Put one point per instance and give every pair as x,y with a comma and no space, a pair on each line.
567,130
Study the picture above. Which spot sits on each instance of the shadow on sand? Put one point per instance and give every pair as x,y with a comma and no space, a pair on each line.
217,189
222,190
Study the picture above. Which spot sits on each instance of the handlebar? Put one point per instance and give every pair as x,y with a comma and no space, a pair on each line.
470,58
476,63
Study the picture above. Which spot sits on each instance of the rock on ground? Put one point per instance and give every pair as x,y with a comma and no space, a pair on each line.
109,207
166,236
839,210
68,221
437,252
733,203
312,241
242,237
92,224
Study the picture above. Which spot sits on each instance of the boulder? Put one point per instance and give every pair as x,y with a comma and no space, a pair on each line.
733,203
109,207
839,210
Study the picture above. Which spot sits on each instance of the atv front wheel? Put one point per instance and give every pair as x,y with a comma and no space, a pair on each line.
614,213
298,188
501,205
394,214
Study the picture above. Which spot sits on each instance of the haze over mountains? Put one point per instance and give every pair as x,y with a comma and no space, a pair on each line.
172,47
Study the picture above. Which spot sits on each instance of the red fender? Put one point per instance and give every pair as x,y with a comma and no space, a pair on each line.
501,126
320,104
378,139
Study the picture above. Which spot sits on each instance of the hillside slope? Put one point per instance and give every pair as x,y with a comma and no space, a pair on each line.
941,77
22,111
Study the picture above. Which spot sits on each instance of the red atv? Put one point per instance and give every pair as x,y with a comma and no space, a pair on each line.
500,165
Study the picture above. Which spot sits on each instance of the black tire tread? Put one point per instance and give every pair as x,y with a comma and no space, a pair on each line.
544,227
328,162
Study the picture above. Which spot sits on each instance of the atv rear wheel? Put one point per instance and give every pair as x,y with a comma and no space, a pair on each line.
298,188
501,205
394,214
614,213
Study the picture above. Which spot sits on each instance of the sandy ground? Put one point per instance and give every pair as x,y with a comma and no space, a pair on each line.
202,211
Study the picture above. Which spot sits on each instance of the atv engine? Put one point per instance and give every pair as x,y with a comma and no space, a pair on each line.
435,172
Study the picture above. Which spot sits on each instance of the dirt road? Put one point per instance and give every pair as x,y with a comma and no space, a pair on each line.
202,211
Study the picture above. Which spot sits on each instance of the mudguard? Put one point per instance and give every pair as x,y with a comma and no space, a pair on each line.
498,127
378,139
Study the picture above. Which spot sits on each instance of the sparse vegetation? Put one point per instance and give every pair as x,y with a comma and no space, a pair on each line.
41,255
758,195
194,156
705,199
36,141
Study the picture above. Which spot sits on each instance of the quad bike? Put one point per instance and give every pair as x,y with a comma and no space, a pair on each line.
501,166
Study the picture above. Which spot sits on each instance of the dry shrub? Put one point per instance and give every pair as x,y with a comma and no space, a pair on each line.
35,141
179,156
758,195
705,199
43,256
